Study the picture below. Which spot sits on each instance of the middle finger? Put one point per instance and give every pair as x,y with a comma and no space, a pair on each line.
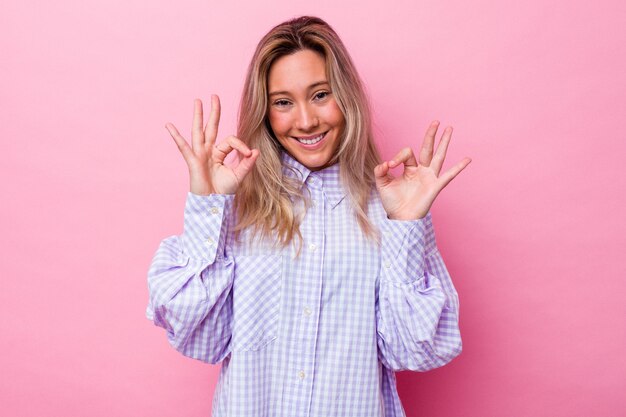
442,148
426,153
210,131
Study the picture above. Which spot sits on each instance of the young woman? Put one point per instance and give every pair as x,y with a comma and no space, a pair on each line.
306,269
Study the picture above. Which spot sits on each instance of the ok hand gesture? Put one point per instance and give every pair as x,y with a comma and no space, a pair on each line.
205,159
411,195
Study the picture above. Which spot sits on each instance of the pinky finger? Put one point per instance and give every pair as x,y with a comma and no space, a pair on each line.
450,174
183,147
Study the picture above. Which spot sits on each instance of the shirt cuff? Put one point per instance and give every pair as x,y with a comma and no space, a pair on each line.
403,246
206,225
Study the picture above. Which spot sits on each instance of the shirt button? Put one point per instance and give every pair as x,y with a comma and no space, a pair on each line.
214,210
210,241
312,247
313,202
301,374
307,311
311,180
387,264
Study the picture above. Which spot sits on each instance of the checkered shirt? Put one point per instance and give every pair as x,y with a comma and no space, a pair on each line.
315,335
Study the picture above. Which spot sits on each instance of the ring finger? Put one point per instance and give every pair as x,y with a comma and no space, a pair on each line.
197,135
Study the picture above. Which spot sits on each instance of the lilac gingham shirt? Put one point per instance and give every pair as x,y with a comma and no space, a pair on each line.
318,335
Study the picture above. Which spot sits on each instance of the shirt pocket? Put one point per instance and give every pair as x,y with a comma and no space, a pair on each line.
256,301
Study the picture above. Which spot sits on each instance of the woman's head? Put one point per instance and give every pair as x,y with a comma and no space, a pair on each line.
303,114
304,34
306,43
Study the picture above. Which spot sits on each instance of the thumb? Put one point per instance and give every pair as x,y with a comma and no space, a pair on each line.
245,164
382,175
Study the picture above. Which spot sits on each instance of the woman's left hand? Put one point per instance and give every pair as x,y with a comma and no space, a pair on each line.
410,196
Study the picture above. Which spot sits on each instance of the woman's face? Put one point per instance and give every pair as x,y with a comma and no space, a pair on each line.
303,112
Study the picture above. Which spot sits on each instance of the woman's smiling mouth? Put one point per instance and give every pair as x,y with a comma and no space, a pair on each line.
310,140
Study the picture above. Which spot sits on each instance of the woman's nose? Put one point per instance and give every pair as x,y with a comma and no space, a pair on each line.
307,118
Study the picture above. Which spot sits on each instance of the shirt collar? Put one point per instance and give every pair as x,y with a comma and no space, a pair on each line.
326,179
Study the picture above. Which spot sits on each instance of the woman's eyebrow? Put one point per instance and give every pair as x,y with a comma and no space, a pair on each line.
312,86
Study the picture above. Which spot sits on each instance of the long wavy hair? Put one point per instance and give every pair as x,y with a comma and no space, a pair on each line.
265,199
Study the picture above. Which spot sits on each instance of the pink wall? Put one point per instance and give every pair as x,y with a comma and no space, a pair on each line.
533,232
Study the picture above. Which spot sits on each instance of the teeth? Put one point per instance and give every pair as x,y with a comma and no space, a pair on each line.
311,141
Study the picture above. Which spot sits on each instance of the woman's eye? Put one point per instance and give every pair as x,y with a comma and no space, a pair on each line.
281,103
321,95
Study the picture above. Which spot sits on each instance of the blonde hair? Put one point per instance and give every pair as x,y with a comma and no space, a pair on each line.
264,199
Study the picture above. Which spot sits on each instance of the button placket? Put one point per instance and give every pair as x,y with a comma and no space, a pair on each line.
306,338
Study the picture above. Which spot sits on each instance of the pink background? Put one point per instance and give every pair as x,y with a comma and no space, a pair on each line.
533,231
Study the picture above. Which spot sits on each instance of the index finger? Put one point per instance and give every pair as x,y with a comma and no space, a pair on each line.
405,156
210,131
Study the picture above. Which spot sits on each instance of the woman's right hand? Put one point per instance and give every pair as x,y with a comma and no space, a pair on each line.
205,159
